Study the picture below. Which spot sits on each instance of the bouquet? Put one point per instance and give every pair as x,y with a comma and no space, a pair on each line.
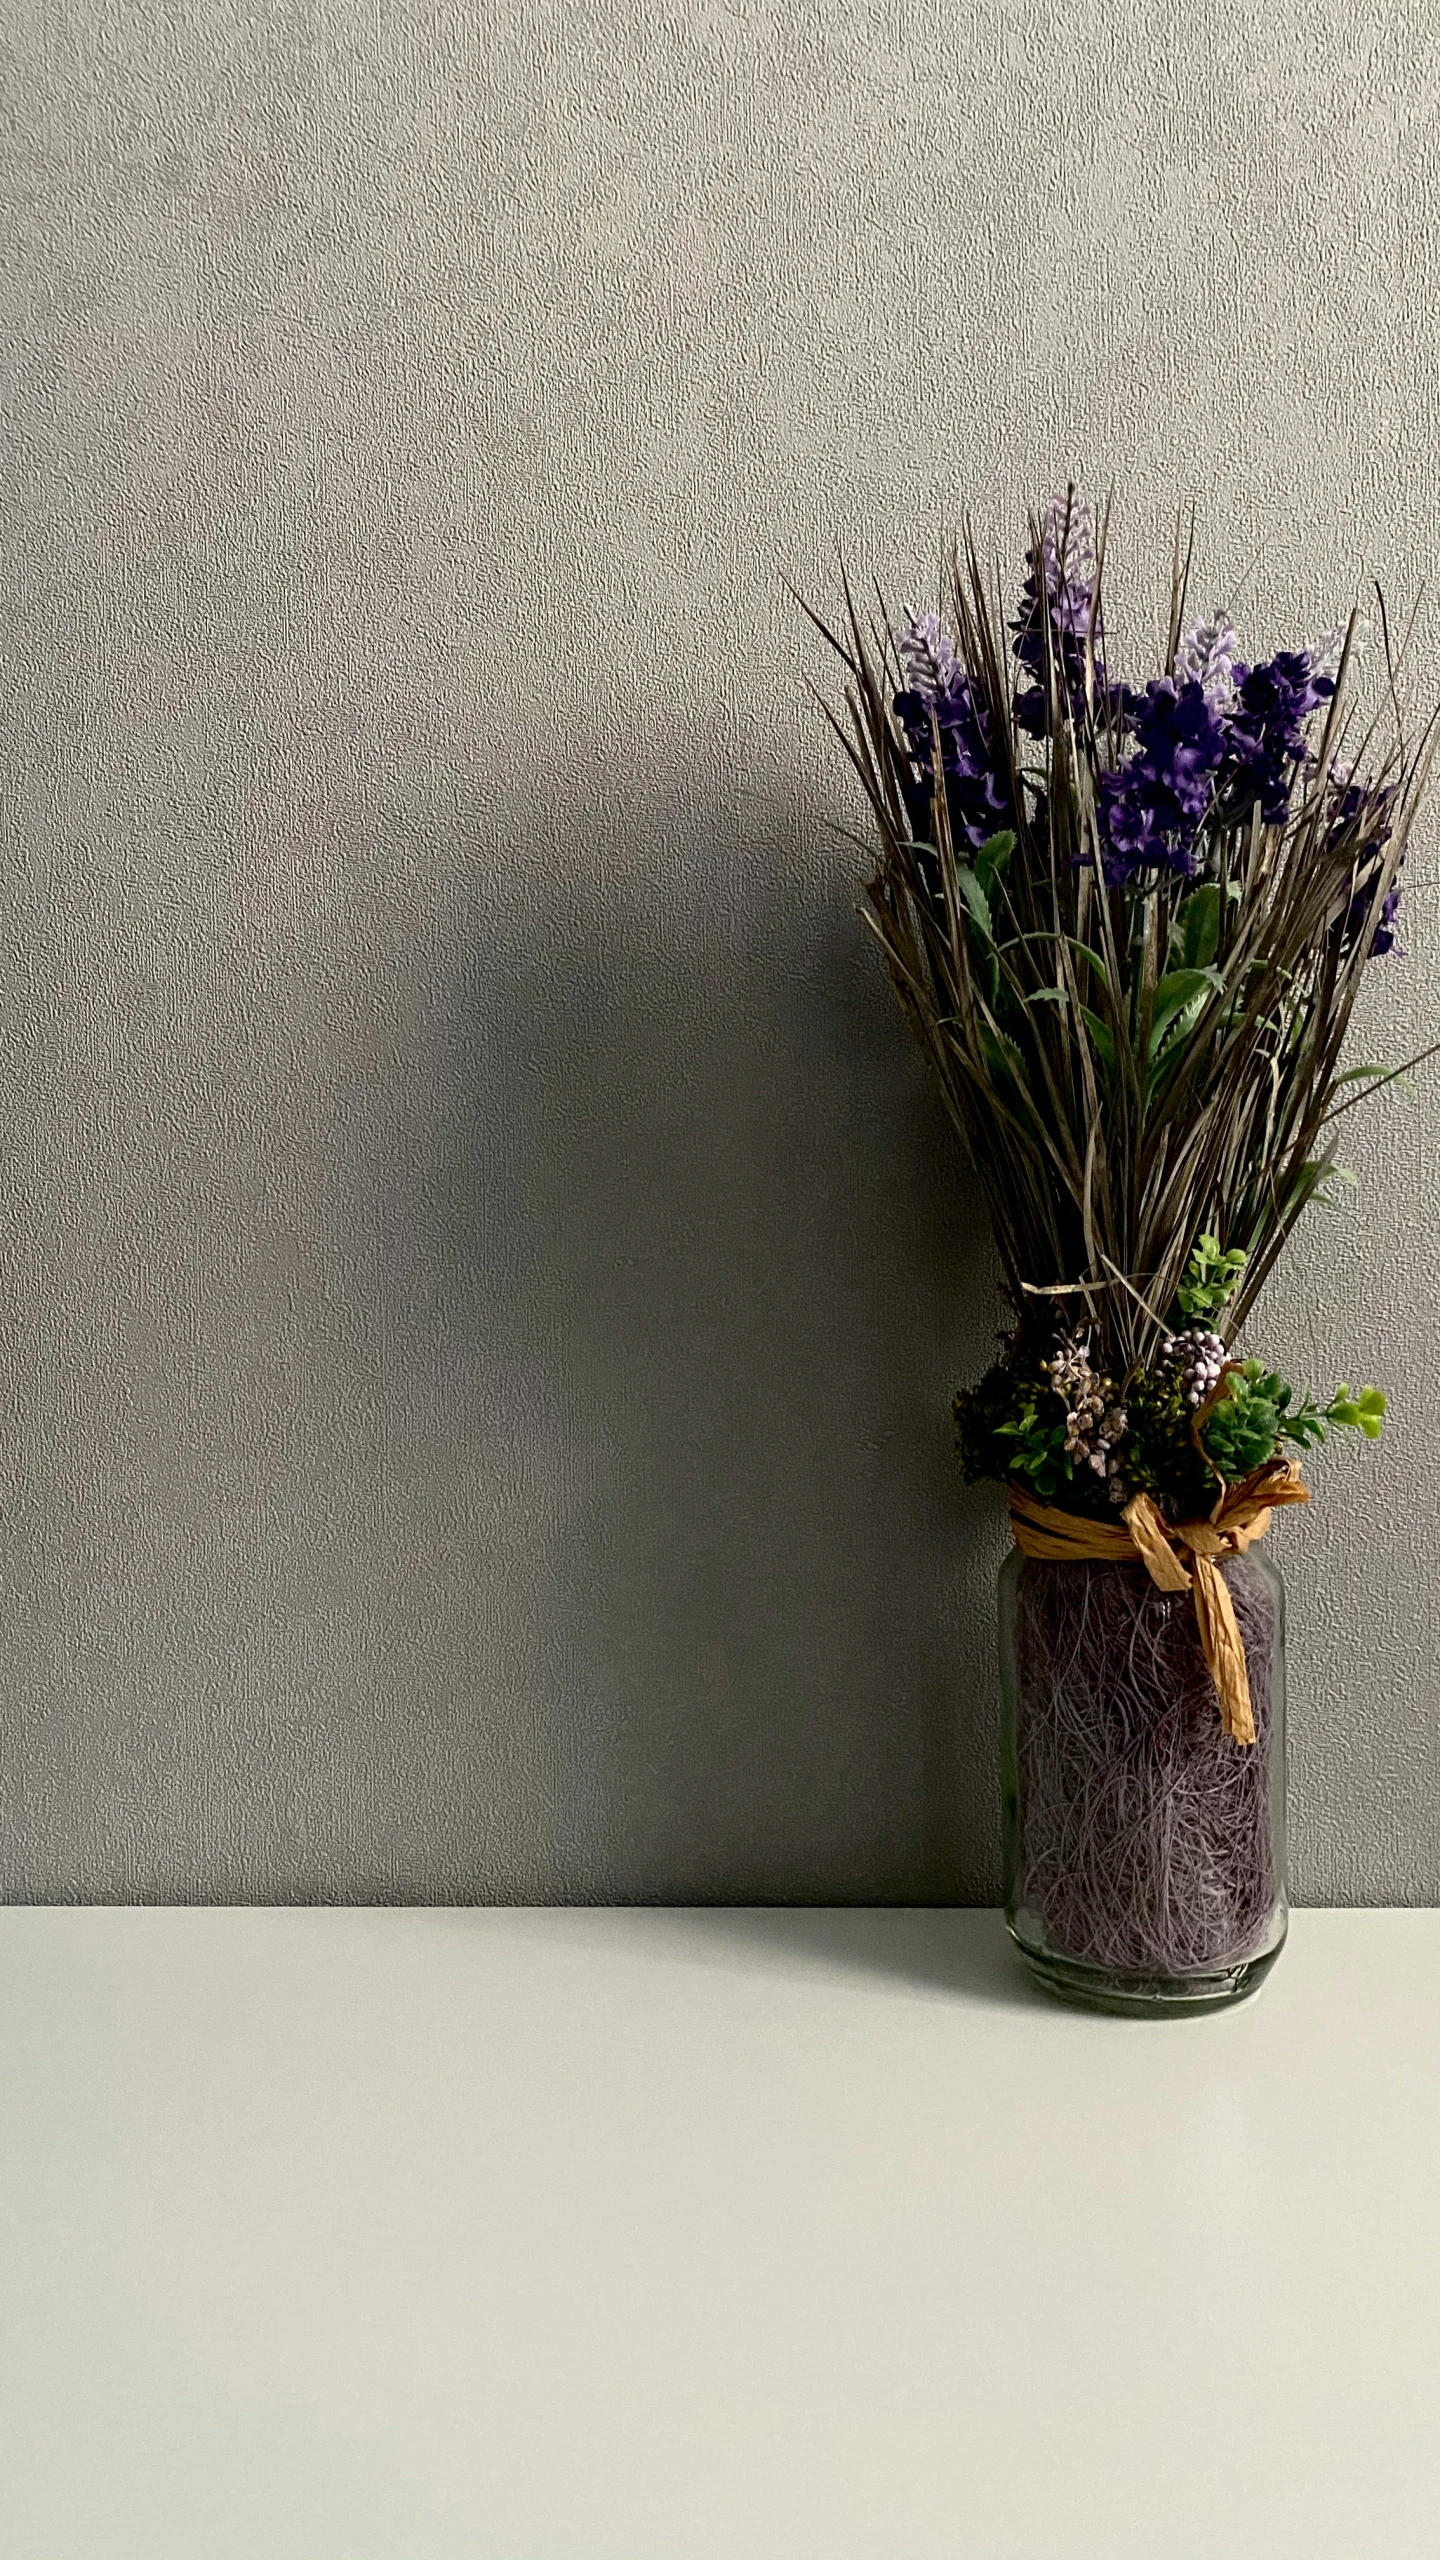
1130,922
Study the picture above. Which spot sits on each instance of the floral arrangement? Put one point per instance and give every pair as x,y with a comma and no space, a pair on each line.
1130,924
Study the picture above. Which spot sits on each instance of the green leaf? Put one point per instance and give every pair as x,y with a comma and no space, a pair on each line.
1096,963
1005,1061
1048,995
993,857
1395,1076
1200,925
996,850
975,898
1101,1039
1181,988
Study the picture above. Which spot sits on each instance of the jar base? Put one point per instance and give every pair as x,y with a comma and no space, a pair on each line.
1145,1995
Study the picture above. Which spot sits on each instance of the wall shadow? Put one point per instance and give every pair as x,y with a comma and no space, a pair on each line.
952,1954
692,1186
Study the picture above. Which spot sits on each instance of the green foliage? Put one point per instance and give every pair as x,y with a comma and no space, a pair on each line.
1245,1428
1259,1413
1012,1427
1211,1279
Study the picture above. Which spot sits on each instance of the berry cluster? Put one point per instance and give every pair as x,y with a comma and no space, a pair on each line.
1198,1356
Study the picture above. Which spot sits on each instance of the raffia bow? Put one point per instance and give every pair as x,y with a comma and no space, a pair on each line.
1241,1515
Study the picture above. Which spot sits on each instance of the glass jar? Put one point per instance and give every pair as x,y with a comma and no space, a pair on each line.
1144,1850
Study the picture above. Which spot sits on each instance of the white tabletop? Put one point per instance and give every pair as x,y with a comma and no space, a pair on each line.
581,2235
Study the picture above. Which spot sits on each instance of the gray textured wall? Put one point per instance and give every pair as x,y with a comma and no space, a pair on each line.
482,1276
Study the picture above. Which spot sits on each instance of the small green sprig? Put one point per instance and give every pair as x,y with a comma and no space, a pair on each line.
1211,1279
1259,1413
1364,1411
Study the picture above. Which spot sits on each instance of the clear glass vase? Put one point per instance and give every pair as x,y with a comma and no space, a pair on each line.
1144,1850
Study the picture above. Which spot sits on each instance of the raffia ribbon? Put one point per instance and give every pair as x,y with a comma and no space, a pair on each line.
1241,1515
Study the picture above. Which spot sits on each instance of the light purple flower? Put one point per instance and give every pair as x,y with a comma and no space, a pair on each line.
1067,554
1329,649
927,654
1209,655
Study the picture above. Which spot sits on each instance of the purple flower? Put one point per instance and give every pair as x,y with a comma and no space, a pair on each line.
940,695
1384,940
1152,806
1363,812
1265,733
1059,586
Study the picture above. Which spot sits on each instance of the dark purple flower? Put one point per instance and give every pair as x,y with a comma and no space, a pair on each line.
1363,812
1265,733
1059,588
940,696
1152,806
1384,940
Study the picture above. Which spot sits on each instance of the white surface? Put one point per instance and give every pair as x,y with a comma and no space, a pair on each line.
581,2235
